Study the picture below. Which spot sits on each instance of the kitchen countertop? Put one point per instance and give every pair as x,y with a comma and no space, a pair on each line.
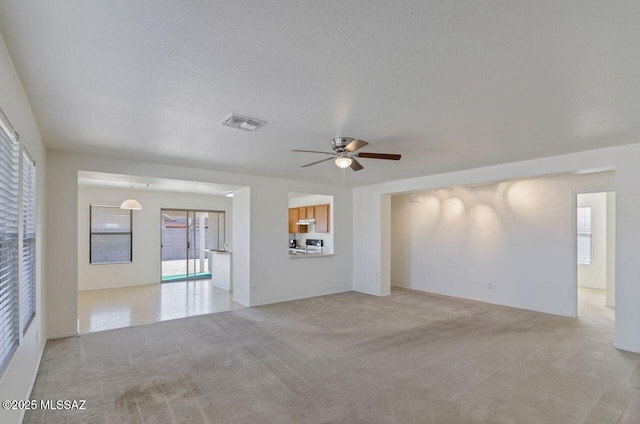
300,252
309,255
220,252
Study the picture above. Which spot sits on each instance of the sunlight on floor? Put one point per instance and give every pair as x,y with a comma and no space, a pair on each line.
106,309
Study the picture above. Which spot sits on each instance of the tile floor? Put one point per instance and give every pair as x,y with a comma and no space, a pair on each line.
107,309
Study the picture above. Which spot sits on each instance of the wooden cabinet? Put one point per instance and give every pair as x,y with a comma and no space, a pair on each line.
321,215
293,218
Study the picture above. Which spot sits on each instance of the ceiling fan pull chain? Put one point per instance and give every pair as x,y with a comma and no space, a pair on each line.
344,180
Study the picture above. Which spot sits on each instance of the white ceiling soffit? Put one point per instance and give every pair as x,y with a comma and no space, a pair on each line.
448,84
118,181
294,195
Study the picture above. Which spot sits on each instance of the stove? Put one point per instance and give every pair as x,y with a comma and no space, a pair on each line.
314,243
314,246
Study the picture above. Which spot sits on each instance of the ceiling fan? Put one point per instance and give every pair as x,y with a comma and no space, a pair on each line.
344,153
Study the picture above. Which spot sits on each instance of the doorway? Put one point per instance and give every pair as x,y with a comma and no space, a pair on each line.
595,231
187,239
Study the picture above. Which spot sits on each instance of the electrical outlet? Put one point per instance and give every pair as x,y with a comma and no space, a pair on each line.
490,286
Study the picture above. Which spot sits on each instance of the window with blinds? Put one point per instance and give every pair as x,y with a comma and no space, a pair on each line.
584,235
110,235
9,238
28,240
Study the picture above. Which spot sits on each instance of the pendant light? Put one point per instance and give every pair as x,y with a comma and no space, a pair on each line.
131,203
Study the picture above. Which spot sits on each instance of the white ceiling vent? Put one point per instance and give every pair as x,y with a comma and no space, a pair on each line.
240,122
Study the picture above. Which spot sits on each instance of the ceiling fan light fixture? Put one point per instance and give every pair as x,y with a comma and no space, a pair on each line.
343,162
345,153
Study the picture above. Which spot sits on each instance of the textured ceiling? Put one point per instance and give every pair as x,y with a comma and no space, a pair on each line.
448,84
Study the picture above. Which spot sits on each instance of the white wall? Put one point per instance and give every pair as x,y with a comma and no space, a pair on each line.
265,274
312,200
240,272
594,275
145,268
611,249
17,379
369,227
517,236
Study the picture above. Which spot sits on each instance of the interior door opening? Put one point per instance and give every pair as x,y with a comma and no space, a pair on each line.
595,239
187,238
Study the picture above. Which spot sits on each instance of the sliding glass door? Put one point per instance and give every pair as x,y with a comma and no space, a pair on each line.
188,236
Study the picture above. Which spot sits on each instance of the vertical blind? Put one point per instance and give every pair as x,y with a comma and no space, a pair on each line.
28,240
584,235
110,234
9,283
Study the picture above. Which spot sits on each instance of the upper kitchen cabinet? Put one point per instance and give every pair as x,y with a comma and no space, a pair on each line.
310,212
293,219
302,213
321,216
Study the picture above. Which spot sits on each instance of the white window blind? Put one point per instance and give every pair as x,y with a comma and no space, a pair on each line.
28,240
110,234
584,235
9,283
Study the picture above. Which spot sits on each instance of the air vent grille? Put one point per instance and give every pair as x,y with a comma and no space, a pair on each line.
241,122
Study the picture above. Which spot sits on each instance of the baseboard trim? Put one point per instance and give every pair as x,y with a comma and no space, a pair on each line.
291,299
634,349
241,302
33,380
416,291
449,296
371,293
63,335
123,286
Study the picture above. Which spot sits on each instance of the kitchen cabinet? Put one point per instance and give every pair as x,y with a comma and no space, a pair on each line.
321,215
293,219
294,216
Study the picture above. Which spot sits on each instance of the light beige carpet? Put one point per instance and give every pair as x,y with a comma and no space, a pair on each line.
348,358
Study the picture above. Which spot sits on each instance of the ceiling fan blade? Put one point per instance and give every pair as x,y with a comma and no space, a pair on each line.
313,151
316,162
355,145
387,156
355,165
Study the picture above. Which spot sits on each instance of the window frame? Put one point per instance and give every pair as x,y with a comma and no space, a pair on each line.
27,160
91,233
